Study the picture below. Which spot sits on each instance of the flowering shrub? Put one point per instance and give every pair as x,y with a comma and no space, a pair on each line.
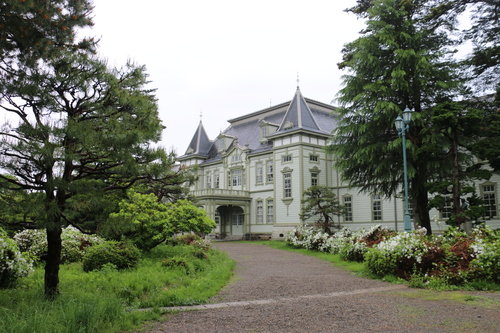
350,246
454,258
486,250
74,243
13,263
402,253
306,237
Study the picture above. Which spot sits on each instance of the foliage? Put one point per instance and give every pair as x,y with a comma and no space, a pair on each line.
487,254
148,222
185,239
33,29
120,292
349,245
119,254
405,57
13,263
74,243
321,201
453,259
78,126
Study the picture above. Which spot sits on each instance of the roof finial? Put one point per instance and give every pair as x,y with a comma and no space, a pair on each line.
298,80
201,114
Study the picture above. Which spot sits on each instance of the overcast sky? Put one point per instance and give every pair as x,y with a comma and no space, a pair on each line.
226,58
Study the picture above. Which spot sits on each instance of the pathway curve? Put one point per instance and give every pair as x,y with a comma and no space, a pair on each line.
281,291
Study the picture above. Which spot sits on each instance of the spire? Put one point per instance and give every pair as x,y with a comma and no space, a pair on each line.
299,115
200,143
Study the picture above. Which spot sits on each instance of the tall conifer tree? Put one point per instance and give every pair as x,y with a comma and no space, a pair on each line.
402,59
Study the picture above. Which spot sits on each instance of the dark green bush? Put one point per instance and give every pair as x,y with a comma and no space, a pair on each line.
187,239
121,255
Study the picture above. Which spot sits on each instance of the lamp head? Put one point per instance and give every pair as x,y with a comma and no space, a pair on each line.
399,124
407,115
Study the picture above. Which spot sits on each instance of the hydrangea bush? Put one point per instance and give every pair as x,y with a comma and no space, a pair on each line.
74,243
13,263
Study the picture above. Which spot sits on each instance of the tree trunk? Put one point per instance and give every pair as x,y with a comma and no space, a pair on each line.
421,199
456,177
53,260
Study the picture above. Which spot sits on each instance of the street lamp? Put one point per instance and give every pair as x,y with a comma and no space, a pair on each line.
402,125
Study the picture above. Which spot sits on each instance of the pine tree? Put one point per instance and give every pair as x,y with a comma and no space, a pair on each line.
320,202
78,121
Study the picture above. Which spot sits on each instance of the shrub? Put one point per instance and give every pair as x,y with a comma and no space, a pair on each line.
398,255
486,252
179,261
121,255
13,263
187,239
74,243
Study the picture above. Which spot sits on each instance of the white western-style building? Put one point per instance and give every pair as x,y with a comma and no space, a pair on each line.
252,177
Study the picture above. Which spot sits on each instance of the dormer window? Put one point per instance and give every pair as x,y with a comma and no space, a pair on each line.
288,124
222,144
263,134
236,158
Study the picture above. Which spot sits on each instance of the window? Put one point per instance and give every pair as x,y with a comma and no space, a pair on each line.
222,144
235,158
260,212
263,133
348,209
259,173
490,201
217,217
269,170
376,207
447,208
216,179
287,158
313,158
287,184
209,179
270,211
236,177
314,178
237,219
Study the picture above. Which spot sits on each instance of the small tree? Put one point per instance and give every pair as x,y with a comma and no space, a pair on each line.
320,200
148,222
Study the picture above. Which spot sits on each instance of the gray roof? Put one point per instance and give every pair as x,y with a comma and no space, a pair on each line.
200,143
298,114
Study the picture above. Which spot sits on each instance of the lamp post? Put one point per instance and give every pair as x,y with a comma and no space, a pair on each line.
402,125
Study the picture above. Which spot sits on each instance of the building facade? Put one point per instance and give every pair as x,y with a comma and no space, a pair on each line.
252,177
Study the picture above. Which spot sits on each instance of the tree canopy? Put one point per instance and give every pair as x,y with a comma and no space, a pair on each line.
76,128
321,202
405,58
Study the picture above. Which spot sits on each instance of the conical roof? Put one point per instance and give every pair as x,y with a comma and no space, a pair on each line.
200,143
298,115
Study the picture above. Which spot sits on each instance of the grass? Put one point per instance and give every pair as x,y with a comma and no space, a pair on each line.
103,301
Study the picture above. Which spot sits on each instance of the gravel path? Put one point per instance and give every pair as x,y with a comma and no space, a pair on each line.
281,291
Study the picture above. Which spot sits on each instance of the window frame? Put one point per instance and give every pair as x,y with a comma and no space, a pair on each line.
270,211
287,184
490,203
260,211
259,173
270,171
376,213
348,216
